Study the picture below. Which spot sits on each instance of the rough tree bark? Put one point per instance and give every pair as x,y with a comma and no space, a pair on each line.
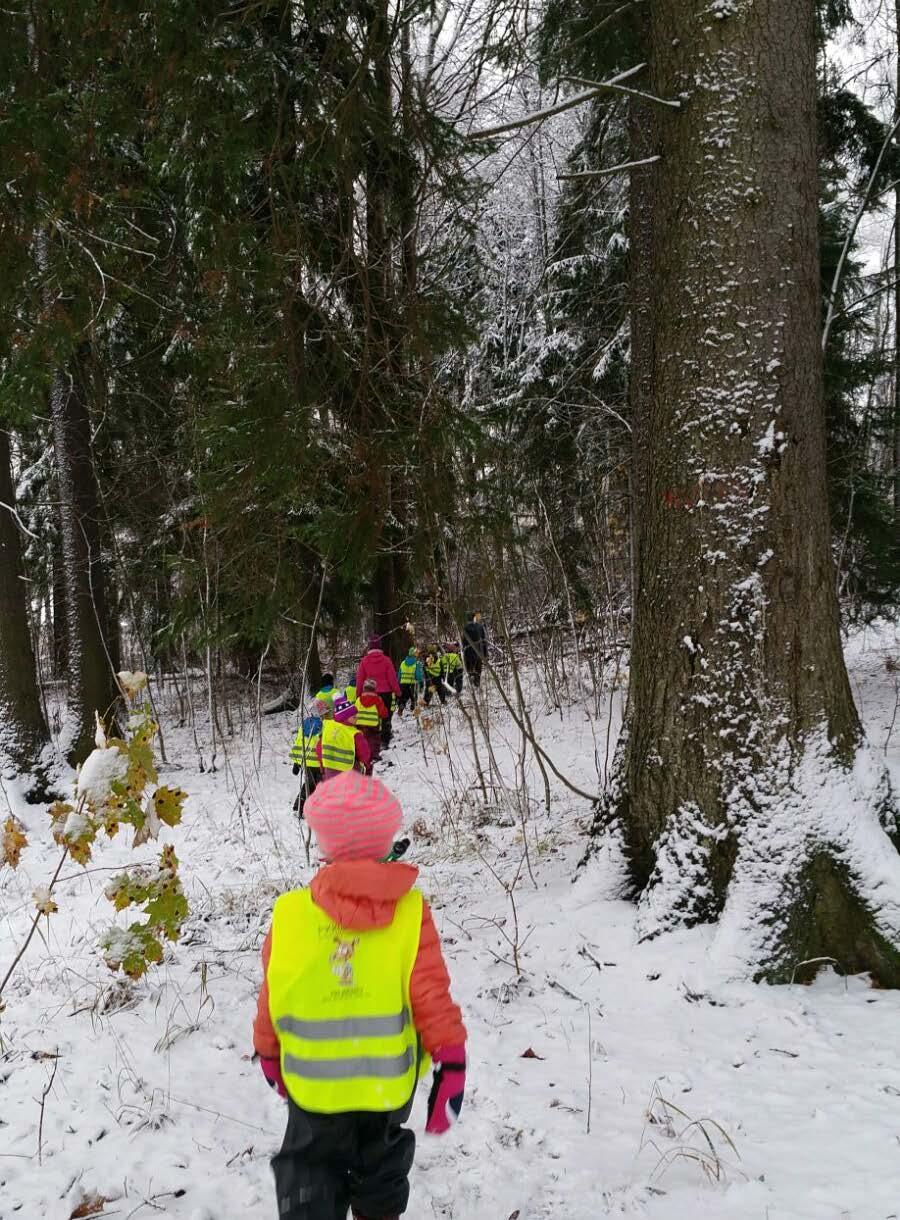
895,428
90,680
24,740
745,791
384,323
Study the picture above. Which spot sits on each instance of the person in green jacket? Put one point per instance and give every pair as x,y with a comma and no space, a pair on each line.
434,675
411,677
453,668
327,691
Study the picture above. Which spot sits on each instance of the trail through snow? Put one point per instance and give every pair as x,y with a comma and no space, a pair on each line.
156,1107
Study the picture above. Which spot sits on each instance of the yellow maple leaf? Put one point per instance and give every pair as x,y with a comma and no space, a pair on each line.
80,851
168,803
12,841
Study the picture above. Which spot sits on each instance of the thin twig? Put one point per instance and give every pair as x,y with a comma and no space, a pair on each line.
47,1087
583,174
538,116
34,922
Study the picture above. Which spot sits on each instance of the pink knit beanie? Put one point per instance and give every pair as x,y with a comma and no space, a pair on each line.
344,712
354,817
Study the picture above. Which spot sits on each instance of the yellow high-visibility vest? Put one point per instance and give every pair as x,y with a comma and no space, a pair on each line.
339,1002
408,671
367,717
304,750
338,745
350,692
433,668
454,662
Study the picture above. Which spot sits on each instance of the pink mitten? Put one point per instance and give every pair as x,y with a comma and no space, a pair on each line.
271,1069
446,1097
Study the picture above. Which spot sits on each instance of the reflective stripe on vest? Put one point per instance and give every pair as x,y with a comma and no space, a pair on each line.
304,750
338,745
408,672
339,1001
434,669
367,717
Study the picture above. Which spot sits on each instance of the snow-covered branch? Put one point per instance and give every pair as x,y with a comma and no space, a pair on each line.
622,168
578,99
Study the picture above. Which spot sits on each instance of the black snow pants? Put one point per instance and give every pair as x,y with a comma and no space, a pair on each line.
329,1163
311,781
474,663
408,694
387,729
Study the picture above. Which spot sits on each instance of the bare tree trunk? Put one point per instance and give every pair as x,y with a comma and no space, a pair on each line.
60,618
737,788
640,283
24,740
91,683
895,429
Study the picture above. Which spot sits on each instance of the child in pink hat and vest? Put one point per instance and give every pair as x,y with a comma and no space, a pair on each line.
355,997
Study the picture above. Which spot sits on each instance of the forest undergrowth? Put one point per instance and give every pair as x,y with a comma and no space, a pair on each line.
607,1076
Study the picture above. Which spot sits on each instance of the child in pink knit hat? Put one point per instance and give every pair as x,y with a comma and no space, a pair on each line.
355,996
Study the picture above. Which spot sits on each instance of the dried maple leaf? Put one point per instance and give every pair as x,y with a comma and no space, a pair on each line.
43,901
12,841
91,1206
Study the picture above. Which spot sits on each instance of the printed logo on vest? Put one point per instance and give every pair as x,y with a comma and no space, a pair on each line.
342,960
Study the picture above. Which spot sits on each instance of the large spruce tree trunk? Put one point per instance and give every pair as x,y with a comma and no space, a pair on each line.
91,684
744,790
24,740
383,372
640,291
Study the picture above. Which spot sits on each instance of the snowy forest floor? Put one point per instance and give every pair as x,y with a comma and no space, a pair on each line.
603,1079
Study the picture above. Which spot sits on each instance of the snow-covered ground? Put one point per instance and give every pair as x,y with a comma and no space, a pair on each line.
608,1078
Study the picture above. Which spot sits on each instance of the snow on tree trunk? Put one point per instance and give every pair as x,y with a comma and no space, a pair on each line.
90,682
24,740
745,791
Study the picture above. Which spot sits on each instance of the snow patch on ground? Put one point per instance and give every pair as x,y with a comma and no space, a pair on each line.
156,1106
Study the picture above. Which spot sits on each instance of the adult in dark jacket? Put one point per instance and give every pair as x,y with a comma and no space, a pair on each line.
474,647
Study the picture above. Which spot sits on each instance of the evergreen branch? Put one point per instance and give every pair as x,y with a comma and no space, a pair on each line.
538,116
606,21
851,233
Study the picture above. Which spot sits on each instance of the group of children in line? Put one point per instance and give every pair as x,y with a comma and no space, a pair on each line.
348,727
355,1005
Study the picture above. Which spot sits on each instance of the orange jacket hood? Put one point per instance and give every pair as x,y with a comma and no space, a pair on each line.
362,894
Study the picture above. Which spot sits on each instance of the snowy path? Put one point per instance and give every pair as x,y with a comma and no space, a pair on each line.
156,1107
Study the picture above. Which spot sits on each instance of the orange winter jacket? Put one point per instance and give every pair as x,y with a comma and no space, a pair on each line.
362,894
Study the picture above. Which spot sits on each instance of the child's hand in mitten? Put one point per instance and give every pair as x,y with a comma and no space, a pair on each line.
446,1097
271,1069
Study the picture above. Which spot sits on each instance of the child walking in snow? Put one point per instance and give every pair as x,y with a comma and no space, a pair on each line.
304,754
342,746
371,711
411,677
355,996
